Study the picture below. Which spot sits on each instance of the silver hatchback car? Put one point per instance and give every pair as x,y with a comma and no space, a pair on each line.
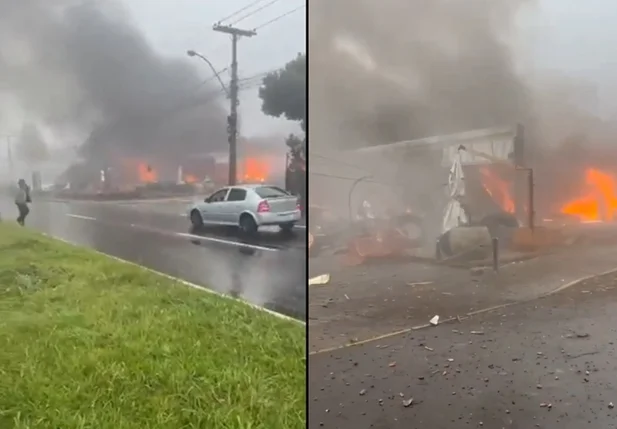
247,207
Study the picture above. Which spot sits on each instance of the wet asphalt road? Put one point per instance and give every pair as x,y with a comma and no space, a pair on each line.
268,270
546,364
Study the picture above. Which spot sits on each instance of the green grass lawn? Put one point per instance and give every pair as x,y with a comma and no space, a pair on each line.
89,342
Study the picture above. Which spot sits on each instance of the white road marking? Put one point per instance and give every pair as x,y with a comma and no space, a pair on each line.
76,216
220,240
186,235
186,283
295,226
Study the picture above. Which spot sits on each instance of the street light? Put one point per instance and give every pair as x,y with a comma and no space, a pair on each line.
192,53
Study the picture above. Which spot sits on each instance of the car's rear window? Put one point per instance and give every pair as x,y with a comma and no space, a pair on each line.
270,192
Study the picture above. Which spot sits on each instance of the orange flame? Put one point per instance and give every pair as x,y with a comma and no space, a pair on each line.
189,178
256,170
498,189
600,202
146,173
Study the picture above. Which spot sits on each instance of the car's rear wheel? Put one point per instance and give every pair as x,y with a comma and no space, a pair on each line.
196,219
247,224
287,227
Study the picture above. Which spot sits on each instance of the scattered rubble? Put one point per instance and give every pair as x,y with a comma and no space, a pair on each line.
319,280
407,402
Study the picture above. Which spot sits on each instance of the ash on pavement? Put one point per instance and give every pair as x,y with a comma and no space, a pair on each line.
367,301
548,363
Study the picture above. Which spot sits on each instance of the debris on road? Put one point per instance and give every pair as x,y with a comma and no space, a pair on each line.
419,284
477,332
319,280
477,271
610,405
435,320
578,335
407,402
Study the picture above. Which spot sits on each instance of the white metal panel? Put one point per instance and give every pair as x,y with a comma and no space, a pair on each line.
454,214
499,146
496,142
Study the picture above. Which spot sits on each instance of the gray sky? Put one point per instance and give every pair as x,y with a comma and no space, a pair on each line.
576,38
173,26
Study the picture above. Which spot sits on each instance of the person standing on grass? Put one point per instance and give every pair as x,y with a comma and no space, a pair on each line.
22,198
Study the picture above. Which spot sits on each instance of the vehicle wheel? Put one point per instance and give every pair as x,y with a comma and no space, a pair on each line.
196,220
287,227
247,224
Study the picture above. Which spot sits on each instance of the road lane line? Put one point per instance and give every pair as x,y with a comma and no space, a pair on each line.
183,282
295,226
185,235
220,240
76,216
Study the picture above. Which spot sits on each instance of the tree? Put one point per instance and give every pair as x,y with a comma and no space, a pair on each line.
283,92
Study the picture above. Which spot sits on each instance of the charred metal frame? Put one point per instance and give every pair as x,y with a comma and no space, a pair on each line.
520,162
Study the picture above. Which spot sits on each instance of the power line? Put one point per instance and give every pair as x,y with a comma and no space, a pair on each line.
332,176
262,74
256,2
273,20
242,18
200,85
336,161
365,179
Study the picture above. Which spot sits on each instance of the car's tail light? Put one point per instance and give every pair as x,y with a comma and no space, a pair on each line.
298,206
263,207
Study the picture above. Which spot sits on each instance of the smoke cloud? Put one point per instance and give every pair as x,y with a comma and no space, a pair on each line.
83,68
395,70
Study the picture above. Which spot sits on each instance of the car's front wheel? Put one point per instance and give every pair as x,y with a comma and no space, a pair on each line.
196,219
247,224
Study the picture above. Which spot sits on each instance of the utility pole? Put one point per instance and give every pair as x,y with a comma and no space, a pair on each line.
232,119
9,154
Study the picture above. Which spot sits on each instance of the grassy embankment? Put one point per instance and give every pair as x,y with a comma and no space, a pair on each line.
89,342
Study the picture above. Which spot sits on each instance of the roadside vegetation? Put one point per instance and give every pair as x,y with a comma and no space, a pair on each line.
89,342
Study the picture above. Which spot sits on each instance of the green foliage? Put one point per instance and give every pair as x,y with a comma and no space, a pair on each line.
283,92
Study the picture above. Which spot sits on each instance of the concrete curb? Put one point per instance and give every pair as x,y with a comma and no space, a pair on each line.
183,282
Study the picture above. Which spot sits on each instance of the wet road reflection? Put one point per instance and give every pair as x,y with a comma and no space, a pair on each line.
270,272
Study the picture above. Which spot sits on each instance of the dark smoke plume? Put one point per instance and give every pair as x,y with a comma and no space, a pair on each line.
399,69
392,70
83,67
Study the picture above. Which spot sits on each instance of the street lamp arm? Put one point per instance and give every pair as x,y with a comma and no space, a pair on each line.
192,53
